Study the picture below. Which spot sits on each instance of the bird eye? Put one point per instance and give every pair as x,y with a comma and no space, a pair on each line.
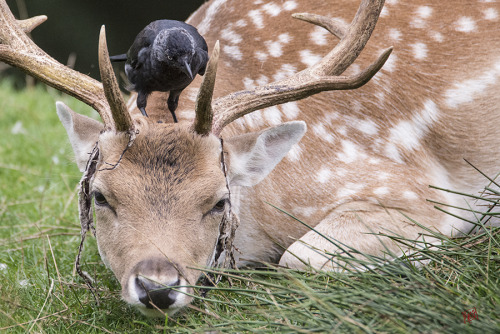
169,57
99,199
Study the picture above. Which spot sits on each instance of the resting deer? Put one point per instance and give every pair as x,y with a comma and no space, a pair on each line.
364,166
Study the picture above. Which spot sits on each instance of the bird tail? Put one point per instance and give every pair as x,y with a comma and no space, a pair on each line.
122,57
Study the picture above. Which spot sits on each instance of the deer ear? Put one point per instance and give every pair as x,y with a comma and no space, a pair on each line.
83,133
254,155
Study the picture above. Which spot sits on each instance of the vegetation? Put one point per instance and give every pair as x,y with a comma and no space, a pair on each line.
39,237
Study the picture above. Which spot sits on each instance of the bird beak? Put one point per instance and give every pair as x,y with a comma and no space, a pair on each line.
187,69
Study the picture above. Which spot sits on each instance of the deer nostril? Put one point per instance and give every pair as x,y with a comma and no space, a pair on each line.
151,292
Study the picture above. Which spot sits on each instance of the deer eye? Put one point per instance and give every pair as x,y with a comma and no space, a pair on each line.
220,206
99,199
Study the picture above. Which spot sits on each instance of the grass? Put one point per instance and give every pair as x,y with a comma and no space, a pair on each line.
40,293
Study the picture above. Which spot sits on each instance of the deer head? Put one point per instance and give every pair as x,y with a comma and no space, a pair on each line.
162,191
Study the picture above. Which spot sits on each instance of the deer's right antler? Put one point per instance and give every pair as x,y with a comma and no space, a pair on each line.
18,50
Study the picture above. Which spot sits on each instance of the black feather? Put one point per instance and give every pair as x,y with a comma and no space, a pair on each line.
165,57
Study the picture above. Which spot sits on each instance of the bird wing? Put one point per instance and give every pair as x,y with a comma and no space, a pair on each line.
144,40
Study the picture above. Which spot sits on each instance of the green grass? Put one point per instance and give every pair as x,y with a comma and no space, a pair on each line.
40,293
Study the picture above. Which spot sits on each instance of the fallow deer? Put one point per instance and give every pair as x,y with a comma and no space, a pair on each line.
162,190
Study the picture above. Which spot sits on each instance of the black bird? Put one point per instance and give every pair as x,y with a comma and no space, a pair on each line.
165,57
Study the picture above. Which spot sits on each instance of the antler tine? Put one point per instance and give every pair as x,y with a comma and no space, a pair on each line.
323,76
29,24
18,50
335,26
123,121
203,107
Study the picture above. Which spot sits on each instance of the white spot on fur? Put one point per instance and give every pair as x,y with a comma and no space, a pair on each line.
186,114
395,34
248,83
229,35
391,151
342,130
408,134
367,126
295,153
192,93
256,17
437,36
285,38
262,80
309,58
323,175
422,14
319,36
382,176
340,172
284,72
468,90
391,2
350,189
273,115
275,48
374,161
380,96
204,26
255,119
350,152
289,5
240,122
384,12
381,191
241,23
291,110
271,9
233,51
249,121
410,195
419,50
305,211
261,55
465,24
490,14
319,130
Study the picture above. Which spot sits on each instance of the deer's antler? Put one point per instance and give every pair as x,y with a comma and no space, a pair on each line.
323,76
18,50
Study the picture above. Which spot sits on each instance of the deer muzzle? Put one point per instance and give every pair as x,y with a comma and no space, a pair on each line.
155,286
